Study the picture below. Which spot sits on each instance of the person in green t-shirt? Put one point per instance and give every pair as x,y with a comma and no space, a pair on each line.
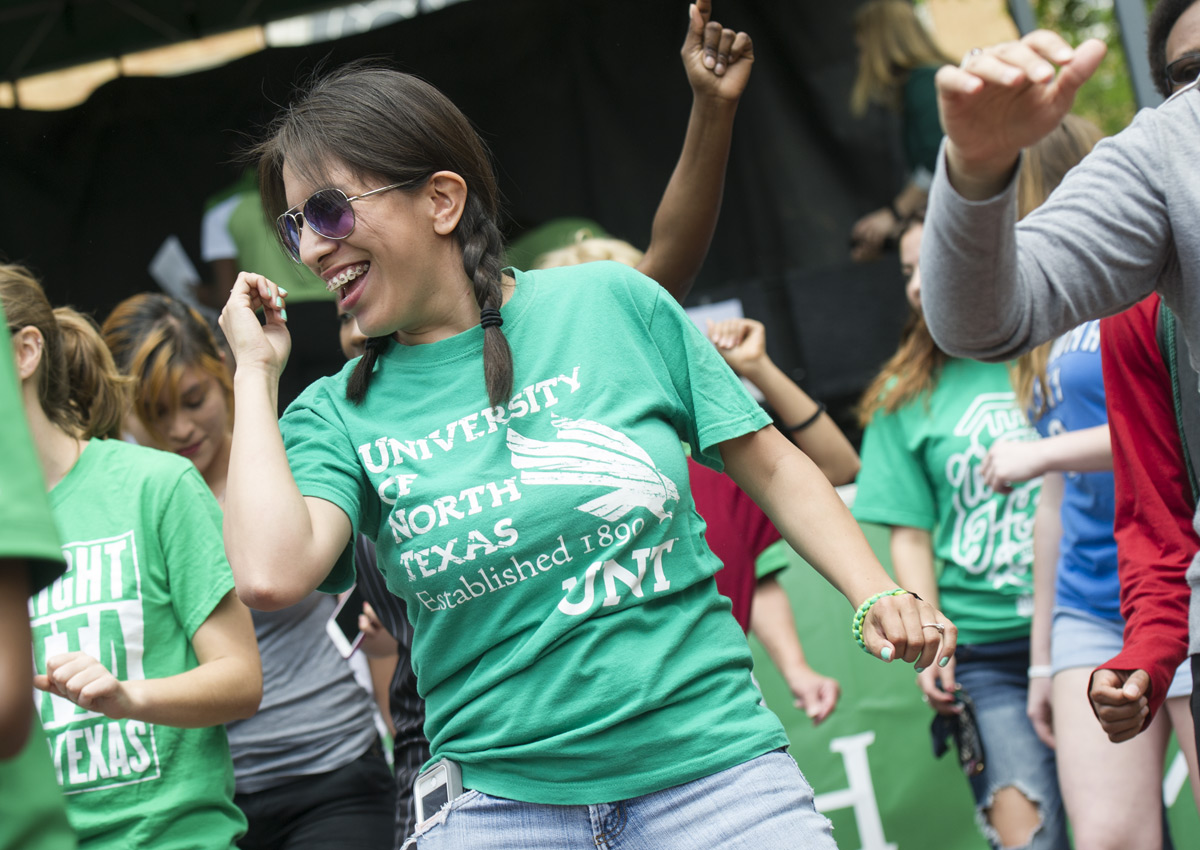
929,420
140,649
32,813
577,663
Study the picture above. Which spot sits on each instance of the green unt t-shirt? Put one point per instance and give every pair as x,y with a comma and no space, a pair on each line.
145,567
570,642
921,468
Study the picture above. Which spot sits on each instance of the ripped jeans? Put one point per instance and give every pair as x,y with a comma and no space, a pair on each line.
996,677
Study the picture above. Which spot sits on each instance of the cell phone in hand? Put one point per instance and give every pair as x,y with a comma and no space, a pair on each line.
342,626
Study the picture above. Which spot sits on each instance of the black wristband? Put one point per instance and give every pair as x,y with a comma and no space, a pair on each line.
810,420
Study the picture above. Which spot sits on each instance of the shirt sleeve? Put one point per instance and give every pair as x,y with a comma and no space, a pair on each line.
27,528
323,465
714,404
193,549
774,559
991,290
1153,524
893,488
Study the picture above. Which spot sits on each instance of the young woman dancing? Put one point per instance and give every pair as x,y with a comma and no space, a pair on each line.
142,649
309,768
575,658
929,421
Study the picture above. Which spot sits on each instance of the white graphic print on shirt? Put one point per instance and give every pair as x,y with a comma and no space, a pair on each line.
95,608
991,534
584,454
589,453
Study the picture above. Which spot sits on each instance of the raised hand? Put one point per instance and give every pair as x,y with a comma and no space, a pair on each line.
717,59
742,342
255,344
1005,98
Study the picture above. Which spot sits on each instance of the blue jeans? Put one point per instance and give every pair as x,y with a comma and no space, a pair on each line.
764,803
996,677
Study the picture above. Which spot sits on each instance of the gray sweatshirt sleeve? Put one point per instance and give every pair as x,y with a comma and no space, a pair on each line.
992,290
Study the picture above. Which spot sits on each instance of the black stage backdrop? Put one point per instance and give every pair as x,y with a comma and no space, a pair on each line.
584,105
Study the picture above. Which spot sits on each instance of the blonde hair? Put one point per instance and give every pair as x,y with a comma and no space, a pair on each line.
589,249
79,387
153,338
1046,164
892,42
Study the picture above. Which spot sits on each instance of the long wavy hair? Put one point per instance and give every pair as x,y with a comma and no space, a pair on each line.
892,42
1046,164
383,124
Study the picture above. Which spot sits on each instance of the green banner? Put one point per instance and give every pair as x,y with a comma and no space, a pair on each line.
871,763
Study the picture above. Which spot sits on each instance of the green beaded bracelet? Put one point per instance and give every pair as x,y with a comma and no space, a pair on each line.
861,614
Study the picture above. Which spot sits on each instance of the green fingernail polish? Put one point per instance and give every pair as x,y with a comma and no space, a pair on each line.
283,314
283,292
886,653
919,669
278,301
944,661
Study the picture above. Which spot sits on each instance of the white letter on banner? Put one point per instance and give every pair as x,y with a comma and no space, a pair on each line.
860,795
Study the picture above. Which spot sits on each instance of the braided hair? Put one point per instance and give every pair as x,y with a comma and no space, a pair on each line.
384,124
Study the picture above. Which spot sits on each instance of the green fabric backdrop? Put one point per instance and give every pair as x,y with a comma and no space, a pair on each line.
870,763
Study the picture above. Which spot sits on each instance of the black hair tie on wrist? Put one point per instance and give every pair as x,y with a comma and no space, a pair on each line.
810,420
490,317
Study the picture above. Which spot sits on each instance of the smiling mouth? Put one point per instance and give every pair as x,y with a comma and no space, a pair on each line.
188,451
345,276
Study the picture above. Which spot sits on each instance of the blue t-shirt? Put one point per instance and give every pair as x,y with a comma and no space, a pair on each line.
1087,560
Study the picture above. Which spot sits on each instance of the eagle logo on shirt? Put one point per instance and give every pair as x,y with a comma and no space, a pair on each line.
587,453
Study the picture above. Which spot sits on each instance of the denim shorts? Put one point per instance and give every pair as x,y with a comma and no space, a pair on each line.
763,803
996,676
1079,639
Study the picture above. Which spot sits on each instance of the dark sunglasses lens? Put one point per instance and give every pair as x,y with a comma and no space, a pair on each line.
329,213
289,234
1184,71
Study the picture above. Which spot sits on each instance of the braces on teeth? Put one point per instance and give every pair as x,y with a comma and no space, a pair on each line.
342,278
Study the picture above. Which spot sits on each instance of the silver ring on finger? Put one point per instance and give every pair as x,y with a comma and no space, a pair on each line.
970,54
941,629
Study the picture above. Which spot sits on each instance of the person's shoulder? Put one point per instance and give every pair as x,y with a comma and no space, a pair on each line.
595,284
141,468
326,395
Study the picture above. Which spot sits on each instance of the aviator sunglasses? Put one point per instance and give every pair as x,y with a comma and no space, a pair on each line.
328,212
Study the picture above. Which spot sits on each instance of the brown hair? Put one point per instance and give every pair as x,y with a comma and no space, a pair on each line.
384,124
79,387
892,42
913,370
1046,164
153,338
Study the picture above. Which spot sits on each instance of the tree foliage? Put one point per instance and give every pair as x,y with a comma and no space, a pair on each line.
1107,98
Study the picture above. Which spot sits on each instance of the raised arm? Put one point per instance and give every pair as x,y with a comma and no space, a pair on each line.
718,63
743,344
991,289
814,521
280,543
